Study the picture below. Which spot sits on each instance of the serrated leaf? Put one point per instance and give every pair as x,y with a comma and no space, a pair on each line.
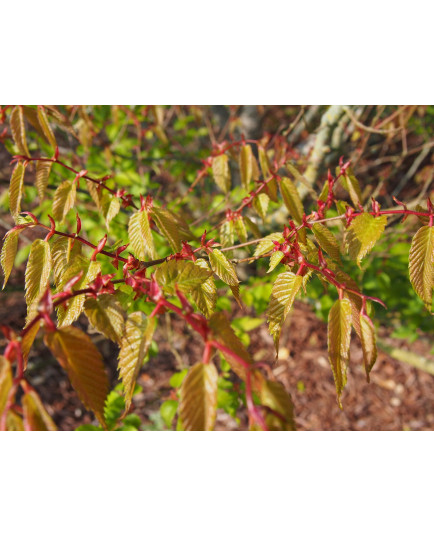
168,226
369,345
300,178
356,301
221,172
240,229
140,236
68,314
28,340
363,233
64,200
110,208
35,416
106,315
198,398
5,382
284,291
205,295
186,275
63,250
43,170
45,126
223,268
352,186
421,264
18,130
274,396
223,333
292,200
135,343
227,233
84,364
183,228
37,271
246,165
9,251
339,336
260,204
16,189
266,244
275,259
327,241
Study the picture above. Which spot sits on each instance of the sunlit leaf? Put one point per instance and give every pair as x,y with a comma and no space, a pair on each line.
135,343
260,204
43,170
240,229
246,165
45,125
84,364
36,417
16,189
223,268
186,275
205,295
18,130
37,270
369,345
106,315
267,244
352,186
110,208
275,259
198,397
14,423
64,200
221,172
363,233
9,251
273,395
292,200
63,250
227,233
28,340
327,241
168,226
339,336
421,264
140,235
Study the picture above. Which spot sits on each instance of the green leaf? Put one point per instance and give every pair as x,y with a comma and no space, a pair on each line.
205,295
284,291
9,251
84,364
246,165
421,264
198,398
275,259
27,341
18,130
168,226
227,233
274,396
240,229
45,126
140,236
327,241
168,411
63,250
37,271
135,344
64,200
187,275
362,235
43,170
352,186
110,208
221,172
106,315
223,268
300,178
35,415
369,345
267,244
16,189
339,336
260,204
292,200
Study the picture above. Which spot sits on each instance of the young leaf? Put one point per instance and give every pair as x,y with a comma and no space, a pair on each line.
205,295
267,244
140,235
223,268
135,343
284,291
260,204
106,315
84,364
274,396
198,397
63,251
240,229
67,314
14,423
227,233
43,170
64,200
352,186
421,264
369,345
187,275
35,415
339,335
37,270
45,126
110,208
363,233
275,259
16,189
246,165
327,241
355,300
300,178
292,200
5,382
168,226
18,130
27,341
223,333
221,172
9,251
